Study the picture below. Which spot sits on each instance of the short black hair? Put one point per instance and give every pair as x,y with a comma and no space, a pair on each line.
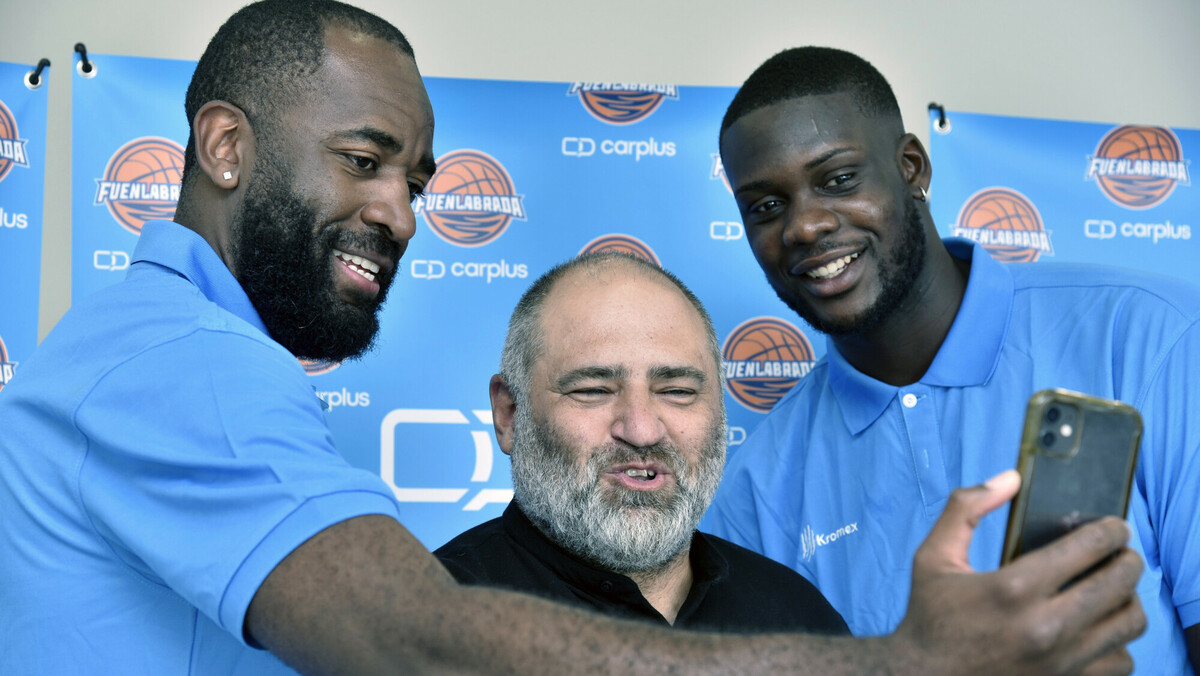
809,71
263,58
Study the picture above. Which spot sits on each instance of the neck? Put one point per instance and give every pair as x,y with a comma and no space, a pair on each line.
667,587
900,349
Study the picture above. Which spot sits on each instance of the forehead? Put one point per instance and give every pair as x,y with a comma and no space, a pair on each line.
621,316
365,81
806,126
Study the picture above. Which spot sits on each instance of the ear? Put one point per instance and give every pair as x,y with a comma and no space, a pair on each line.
914,164
504,412
223,143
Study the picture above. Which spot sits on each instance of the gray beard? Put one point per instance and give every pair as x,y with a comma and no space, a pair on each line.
623,531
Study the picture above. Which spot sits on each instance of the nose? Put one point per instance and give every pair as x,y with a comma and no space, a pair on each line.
637,422
390,210
807,224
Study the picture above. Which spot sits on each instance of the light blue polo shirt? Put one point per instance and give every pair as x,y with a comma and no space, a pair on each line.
844,478
159,455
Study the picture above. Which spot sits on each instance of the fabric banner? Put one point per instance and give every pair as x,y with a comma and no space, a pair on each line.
1050,190
127,138
22,190
529,175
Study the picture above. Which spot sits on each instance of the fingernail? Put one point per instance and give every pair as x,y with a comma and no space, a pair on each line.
1002,478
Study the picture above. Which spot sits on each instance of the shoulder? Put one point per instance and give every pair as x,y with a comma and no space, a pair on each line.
778,593
1102,281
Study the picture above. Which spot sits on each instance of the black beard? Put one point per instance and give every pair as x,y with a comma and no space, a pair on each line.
897,277
284,261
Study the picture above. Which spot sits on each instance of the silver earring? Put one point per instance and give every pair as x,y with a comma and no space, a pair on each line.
228,176
924,196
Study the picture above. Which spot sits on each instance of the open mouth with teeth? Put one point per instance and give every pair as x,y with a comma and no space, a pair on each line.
831,269
366,268
639,478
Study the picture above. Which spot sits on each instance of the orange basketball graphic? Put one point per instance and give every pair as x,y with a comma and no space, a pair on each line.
627,244
718,171
6,367
1006,223
764,358
12,148
470,201
141,182
1138,167
315,367
621,104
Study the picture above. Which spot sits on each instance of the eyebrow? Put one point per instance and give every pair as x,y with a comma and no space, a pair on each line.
809,165
386,141
673,372
572,377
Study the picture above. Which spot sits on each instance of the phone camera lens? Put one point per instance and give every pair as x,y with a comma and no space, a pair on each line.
1053,414
1048,439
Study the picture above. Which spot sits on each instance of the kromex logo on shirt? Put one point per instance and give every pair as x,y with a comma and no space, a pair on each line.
810,540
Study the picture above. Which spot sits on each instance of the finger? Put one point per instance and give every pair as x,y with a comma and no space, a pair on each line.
1059,562
1105,593
1107,639
948,541
1118,663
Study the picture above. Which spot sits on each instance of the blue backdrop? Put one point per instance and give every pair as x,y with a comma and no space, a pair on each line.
22,178
1051,190
530,174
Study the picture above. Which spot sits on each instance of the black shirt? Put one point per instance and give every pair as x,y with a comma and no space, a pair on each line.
733,589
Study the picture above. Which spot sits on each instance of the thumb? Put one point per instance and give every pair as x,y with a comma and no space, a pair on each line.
946,546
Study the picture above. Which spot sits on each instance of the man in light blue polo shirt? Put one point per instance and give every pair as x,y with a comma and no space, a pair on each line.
171,501
934,349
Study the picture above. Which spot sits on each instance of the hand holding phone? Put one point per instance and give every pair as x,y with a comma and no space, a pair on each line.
1076,463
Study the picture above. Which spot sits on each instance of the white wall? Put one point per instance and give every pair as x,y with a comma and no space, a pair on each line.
1095,60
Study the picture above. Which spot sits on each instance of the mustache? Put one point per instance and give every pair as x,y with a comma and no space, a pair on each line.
371,241
618,453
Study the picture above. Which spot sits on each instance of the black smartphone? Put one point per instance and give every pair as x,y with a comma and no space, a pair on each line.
1076,463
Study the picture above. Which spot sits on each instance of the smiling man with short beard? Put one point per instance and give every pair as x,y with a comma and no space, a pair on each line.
283,256
610,404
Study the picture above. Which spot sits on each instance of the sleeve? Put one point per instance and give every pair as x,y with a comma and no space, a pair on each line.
1170,470
209,461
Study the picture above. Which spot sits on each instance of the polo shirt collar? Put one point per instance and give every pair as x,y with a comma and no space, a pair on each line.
967,357
185,252
708,567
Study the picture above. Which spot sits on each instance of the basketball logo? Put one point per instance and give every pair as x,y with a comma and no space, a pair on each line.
626,244
619,103
470,200
141,182
1138,167
315,367
1006,223
12,147
764,358
718,171
7,368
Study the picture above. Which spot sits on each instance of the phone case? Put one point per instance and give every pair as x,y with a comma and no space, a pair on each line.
1076,462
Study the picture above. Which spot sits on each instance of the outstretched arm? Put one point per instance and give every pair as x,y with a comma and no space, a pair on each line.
365,597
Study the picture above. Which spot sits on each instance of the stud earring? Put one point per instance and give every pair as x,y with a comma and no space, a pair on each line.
228,176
